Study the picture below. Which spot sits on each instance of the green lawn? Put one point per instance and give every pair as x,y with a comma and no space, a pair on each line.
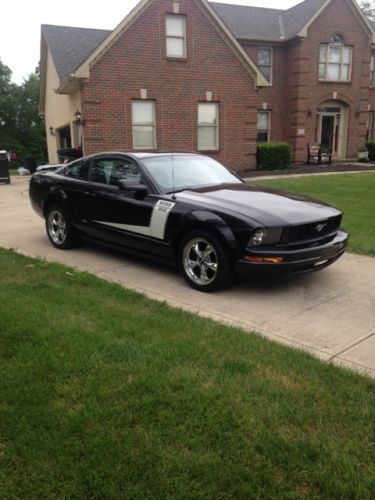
106,394
352,193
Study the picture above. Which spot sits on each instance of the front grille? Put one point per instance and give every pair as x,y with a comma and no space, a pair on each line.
313,230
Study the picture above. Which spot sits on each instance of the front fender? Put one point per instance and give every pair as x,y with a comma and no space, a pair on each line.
209,221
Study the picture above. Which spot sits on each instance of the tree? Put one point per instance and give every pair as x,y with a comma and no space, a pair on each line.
368,8
21,128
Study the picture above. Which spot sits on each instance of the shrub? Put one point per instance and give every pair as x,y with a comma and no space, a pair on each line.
371,150
274,156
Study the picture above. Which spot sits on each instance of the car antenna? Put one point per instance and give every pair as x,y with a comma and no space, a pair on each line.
173,185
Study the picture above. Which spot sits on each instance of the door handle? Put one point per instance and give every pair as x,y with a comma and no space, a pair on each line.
89,193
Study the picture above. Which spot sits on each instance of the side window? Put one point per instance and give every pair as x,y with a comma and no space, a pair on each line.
175,30
78,170
265,62
263,126
124,170
101,171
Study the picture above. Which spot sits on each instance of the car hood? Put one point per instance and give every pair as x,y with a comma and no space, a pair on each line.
269,207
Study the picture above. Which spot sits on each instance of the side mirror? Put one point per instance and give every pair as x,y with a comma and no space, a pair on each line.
133,186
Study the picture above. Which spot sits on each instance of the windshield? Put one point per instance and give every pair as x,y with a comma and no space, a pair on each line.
189,172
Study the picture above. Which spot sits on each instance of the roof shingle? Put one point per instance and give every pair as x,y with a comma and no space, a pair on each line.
255,23
71,46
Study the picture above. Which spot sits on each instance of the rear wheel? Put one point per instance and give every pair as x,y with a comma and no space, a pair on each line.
60,229
204,262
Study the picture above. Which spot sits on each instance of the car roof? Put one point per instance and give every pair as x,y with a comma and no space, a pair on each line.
143,155
140,155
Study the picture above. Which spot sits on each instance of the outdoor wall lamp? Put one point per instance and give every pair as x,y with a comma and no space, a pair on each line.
78,116
51,130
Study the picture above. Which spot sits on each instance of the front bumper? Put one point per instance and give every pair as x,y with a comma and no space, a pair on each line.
295,261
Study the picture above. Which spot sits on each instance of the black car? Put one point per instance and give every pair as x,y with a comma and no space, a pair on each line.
187,209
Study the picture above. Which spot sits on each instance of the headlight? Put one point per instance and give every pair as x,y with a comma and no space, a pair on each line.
265,236
257,237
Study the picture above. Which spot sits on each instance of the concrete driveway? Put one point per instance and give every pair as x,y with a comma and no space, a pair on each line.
331,313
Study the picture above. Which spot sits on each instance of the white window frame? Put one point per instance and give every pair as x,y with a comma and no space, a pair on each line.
270,66
370,126
216,127
259,131
148,124
372,71
174,37
336,45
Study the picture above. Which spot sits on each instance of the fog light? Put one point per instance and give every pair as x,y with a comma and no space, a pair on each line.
263,260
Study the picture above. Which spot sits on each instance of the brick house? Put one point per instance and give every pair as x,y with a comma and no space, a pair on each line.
191,75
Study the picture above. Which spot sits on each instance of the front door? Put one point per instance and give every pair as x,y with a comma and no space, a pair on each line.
328,129
332,128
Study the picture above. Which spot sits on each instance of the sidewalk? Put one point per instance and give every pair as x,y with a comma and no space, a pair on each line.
331,313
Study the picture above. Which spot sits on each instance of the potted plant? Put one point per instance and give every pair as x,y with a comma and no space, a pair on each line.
363,155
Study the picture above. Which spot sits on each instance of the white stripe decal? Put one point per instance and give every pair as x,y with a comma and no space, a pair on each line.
158,222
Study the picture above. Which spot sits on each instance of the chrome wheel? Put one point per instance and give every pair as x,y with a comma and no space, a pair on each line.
57,227
200,261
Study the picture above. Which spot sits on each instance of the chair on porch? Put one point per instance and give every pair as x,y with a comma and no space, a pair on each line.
316,154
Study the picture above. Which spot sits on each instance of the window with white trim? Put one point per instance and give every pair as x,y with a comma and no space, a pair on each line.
208,126
144,124
263,126
372,71
265,62
335,60
369,126
175,30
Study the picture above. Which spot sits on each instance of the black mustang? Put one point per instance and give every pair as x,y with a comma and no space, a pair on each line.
188,209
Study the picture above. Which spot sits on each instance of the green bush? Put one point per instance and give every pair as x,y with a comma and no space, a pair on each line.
274,156
371,150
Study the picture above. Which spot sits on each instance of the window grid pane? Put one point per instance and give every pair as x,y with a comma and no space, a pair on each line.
175,26
266,71
263,126
175,47
264,57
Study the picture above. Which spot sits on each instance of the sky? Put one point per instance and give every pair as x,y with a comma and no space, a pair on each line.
21,20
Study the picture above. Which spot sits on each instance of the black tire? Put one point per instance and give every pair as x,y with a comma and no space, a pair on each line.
60,229
213,270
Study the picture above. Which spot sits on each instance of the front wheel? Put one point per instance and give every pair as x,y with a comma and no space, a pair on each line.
60,229
204,262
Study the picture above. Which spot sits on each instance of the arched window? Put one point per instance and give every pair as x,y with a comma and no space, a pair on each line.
336,39
335,60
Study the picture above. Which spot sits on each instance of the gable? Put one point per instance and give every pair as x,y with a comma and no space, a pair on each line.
84,70
342,16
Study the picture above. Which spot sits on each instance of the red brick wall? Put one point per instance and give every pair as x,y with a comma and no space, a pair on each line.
138,61
273,97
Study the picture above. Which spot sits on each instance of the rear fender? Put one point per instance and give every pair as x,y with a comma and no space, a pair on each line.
54,196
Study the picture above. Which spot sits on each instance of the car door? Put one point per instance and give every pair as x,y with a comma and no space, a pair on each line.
113,214
74,182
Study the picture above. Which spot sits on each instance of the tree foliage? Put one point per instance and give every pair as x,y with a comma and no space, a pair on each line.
21,129
368,9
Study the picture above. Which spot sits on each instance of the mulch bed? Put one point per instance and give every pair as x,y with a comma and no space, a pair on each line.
312,169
